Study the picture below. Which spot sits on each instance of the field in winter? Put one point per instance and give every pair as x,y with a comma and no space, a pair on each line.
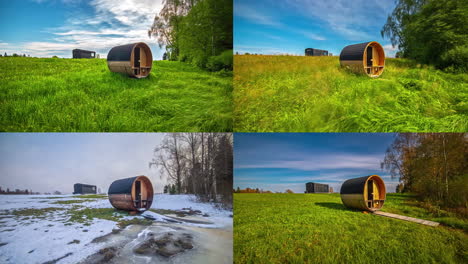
87,229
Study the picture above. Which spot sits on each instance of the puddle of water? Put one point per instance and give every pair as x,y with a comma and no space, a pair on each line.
210,245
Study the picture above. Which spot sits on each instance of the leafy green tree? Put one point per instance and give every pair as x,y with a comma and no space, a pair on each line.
431,31
196,31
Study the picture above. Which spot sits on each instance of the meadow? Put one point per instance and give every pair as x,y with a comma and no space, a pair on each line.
68,95
314,94
317,228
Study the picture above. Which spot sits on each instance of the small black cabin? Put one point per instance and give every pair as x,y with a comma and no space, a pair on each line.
315,52
80,188
83,54
312,187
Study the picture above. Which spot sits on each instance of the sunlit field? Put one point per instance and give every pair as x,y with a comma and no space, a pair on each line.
317,228
314,94
83,95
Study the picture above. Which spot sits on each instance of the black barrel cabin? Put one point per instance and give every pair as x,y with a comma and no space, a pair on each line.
134,59
131,194
365,193
367,58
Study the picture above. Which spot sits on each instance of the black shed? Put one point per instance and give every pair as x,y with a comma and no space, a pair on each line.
315,52
312,187
80,188
83,54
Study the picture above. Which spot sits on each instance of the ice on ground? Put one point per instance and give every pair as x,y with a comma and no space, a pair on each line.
36,240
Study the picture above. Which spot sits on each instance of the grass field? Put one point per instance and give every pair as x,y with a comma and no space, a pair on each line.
317,228
83,95
314,94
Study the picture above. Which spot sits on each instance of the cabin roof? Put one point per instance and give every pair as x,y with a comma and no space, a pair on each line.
354,52
82,184
81,50
122,186
121,53
355,185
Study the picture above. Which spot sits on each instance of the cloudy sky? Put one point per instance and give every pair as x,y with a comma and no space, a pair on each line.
280,161
45,162
290,26
45,28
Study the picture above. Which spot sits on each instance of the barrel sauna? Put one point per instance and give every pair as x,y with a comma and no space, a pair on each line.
134,59
367,58
131,194
365,193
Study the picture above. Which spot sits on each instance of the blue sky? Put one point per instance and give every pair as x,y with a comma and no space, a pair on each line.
290,26
46,162
45,28
280,161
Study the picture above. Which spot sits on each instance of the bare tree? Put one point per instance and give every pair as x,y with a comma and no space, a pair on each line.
198,163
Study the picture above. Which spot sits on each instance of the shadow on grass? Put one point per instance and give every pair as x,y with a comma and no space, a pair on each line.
336,206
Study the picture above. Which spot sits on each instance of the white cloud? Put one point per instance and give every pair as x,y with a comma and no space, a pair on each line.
112,23
352,19
330,161
390,51
36,162
311,35
254,16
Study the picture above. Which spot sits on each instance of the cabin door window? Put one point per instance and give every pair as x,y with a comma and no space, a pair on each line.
136,60
138,193
370,193
369,56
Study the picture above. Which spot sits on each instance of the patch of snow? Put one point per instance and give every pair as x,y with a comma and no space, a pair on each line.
34,240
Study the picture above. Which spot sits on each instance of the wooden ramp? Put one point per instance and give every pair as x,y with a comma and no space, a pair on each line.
411,219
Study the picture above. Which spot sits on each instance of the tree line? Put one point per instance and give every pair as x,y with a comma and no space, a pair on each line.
196,31
197,163
431,165
256,190
431,32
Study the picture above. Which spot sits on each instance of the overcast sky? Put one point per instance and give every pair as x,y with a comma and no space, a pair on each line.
44,28
291,26
280,161
45,162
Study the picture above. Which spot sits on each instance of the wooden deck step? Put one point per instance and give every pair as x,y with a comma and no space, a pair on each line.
407,218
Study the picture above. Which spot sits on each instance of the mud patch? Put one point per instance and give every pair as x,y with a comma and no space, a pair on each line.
166,245
75,241
58,259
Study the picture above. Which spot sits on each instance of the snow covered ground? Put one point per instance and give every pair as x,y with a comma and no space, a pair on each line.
35,229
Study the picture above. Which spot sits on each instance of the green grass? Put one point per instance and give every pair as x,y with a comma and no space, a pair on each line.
72,201
317,228
86,215
91,196
314,94
58,95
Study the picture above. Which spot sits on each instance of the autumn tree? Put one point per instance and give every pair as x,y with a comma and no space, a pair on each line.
432,165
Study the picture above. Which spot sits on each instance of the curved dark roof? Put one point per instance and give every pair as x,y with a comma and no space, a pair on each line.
121,53
122,186
354,186
353,52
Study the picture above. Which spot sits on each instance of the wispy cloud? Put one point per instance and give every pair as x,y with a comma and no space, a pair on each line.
320,162
390,51
111,23
255,16
352,19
